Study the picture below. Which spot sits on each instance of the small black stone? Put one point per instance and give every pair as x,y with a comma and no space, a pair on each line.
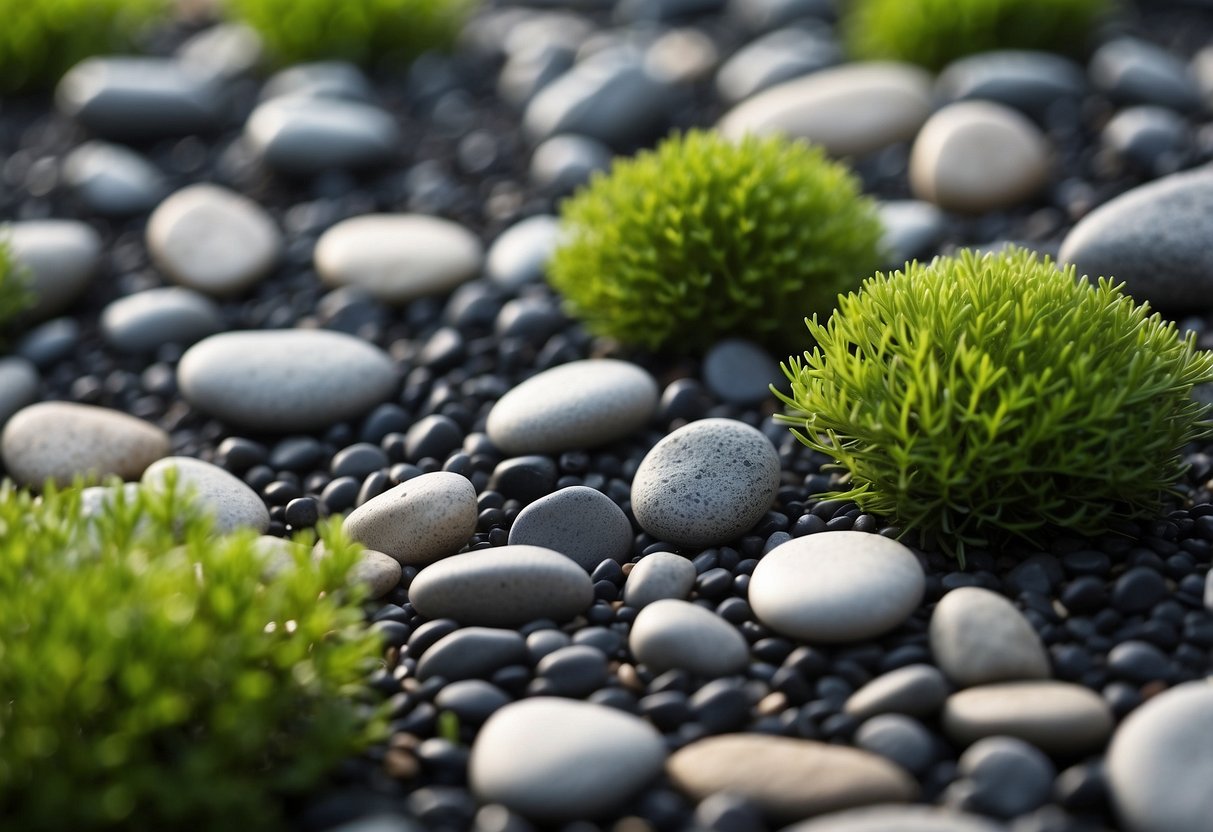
302,513
524,478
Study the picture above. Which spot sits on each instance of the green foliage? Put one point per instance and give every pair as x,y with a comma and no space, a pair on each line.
703,238
15,296
41,39
151,679
363,31
935,32
982,397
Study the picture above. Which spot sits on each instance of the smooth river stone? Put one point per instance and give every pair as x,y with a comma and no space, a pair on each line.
213,239
898,818
678,635
656,576
836,586
304,135
379,573
1157,238
1056,717
18,385
147,320
788,779
398,257
112,179
520,255
61,440
419,521
59,256
1031,82
706,483
850,110
506,586
964,624
916,690
576,405
1158,755
232,503
285,381
579,522
557,759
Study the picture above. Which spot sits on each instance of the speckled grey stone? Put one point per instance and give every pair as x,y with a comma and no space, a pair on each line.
113,180
520,255
671,634
225,496
774,58
967,621
398,257
706,483
303,135
899,818
1157,755
836,586
912,230
576,405
656,576
579,522
18,385
566,161
1156,238
61,440
916,690
419,521
1031,82
147,320
285,381
557,759
60,257
1056,717
380,573
212,239
502,587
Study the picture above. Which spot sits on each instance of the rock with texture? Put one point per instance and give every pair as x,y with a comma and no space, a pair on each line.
380,573
18,385
225,496
579,522
1056,717
656,576
671,634
304,135
419,521
59,258
147,320
967,622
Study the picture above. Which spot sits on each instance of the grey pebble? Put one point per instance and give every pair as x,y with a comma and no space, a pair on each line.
95,499
774,58
916,690
19,382
574,671
656,576
419,521
471,653
147,320
912,230
225,496
899,818
544,642
304,135
320,79
1031,82
739,371
966,621
49,343
566,161
1134,71
1209,591
113,180
472,700
1057,717
529,70
1154,139
900,739
520,254
224,52
579,522
671,634
765,15
380,573
1002,776
59,258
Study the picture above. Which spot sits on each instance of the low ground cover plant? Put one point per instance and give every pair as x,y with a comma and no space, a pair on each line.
979,398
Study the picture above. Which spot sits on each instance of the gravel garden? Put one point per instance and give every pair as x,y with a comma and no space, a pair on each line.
630,415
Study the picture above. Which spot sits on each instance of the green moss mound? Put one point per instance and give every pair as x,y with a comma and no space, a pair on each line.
703,238
151,677
935,32
980,398
362,31
42,39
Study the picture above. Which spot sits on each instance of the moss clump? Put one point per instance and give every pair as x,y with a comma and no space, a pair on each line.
703,238
935,32
15,296
42,39
362,31
982,397
151,679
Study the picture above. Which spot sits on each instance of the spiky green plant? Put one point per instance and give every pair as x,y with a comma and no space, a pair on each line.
981,397
703,238
363,31
41,39
935,32
15,296
152,678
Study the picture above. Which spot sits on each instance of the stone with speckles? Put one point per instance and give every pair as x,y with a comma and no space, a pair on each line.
419,521
380,573
228,499
579,522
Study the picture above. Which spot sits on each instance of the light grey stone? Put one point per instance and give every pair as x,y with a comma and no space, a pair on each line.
579,522
683,55
1154,139
279,554
774,58
95,499
912,230
224,52
670,634
657,576
113,180
706,483
520,255
320,79
916,690
1134,71
379,572
899,818
303,135
226,497
1002,776
19,382
1031,82
59,258
964,625
1057,717
419,521
529,70
566,161
147,320
1209,591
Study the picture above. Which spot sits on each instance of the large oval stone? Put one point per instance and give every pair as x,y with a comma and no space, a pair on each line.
671,634
967,621
1056,717
232,503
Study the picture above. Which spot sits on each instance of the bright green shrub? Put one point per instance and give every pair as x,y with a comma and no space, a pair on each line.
703,238
982,397
151,679
935,32
363,31
14,291
42,39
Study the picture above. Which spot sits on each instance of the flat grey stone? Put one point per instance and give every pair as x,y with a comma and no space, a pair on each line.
226,497
471,653
739,371
1158,754
507,586
1154,238
670,634
302,135
320,79
774,58
557,759
285,381
1134,71
60,441
656,576
1002,776
224,52
836,586
1059,718
916,690
788,779
147,320
900,818
899,739
572,406
966,621
59,258
19,381
419,521
472,700
912,230
212,239
520,255
566,161
579,522
398,257
129,98
113,180
1031,82
706,483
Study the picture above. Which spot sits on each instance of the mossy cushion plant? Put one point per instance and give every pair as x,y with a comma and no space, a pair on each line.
363,31
42,39
152,678
981,398
933,33
703,238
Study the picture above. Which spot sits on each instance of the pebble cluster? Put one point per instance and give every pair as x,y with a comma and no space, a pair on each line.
607,595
